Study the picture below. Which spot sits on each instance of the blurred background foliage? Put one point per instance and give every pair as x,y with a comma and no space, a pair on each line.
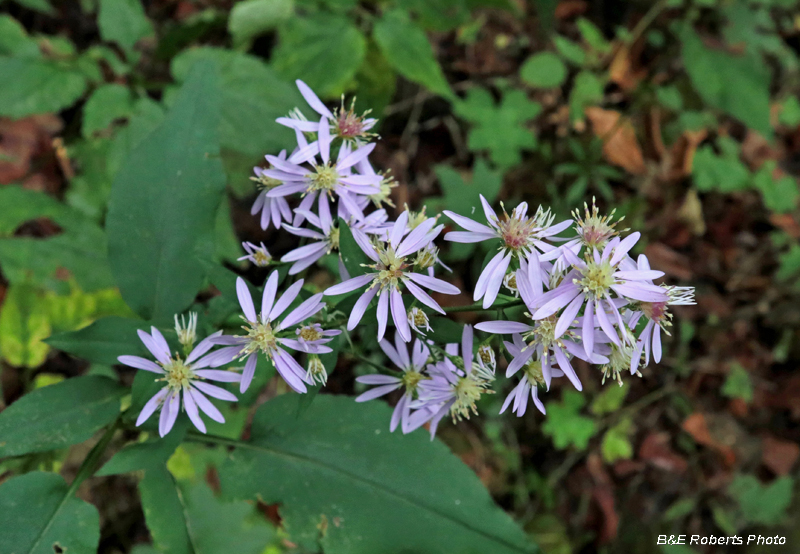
683,115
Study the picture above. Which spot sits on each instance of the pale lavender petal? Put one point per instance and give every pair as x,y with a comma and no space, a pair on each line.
377,392
588,328
245,300
356,156
378,380
517,363
423,297
219,375
495,280
312,99
324,139
220,357
399,315
305,310
656,343
639,275
568,316
566,367
154,349
349,285
191,409
469,224
151,406
466,237
285,299
433,283
206,406
397,413
398,229
416,239
643,292
383,313
503,327
249,371
624,247
364,243
290,370
491,215
360,307
466,347
391,353
140,363
204,346
486,275
169,413
605,323
556,299
305,126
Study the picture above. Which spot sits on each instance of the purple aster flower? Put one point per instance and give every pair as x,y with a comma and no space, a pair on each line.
263,332
413,368
328,178
183,377
394,266
520,234
532,377
274,209
346,124
591,282
456,384
543,338
258,255
418,320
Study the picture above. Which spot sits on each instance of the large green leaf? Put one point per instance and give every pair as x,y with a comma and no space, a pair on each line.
164,511
344,481
251,18
103,341
741,89
252,97
123,22
164,200
323,50
106,104
39,516
24,322
407,48
37,86
59,415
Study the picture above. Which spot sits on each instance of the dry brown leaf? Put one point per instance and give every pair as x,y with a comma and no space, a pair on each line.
697,426
620,145
681,154
623,70
779,455
655,449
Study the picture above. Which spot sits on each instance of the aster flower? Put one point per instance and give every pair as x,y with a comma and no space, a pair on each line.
316,371
183,377
456,384
418,320
392,269
346,124
272,209
591,282
257,254
187,332
413,368
657,314
263,332
328,178
543,338
532,378
520,234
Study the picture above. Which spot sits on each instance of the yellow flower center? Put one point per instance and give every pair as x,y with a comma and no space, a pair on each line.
411,379
178,374
261,258
310,333
260,337
324,178
596,278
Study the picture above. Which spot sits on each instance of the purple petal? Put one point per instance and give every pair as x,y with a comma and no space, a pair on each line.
643,292
249,371
503,327
140,363
485,276
245,300
377,392
285,299
349,285
568,315
312,99
469,224
495,280
378,380
433,283
219,375
423,297
383,313
151,406
191,409
360,307
206,406
624,247
399,315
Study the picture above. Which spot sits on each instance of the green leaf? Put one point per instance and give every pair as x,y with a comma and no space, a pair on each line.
442,16
252,18
545,70
323,50
722,172
789,263
14,40
790,112
762,504
106,104
565,425
738,384
251,95
587,90
38,515
151,454
407,48
103,341
353,257
592,35
500,129
24,322
344,481
59,415
609,400
38,86
781,194
123,22
164,512
570,51
164,200
742,90
616,445
215,525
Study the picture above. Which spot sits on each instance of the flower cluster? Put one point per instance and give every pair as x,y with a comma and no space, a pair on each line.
584,296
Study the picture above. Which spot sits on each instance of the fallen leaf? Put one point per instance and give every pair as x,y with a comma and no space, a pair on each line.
624,69
681,154
697,426
691,213
655,450
567,9
779,455
620,145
